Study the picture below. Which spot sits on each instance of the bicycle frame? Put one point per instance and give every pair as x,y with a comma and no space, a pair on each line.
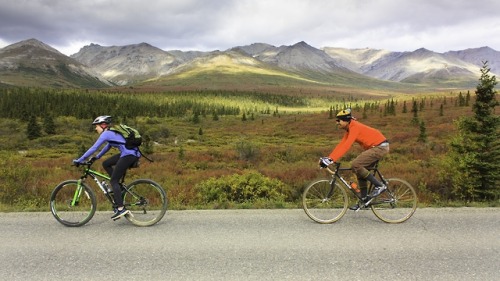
336,175
97,177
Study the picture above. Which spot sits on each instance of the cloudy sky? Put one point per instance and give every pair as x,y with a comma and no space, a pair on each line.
207,25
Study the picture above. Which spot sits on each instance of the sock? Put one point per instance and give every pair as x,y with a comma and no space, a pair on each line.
373,180
363,187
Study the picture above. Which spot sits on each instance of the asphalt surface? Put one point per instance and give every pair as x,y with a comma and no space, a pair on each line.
435,244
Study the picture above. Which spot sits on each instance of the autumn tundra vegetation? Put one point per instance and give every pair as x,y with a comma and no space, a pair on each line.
244,149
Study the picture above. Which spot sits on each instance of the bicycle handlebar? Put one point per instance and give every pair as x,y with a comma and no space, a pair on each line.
337,166
330,170
87,163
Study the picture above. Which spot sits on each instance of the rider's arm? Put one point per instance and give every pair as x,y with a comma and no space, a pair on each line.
344,145
103,151
99,142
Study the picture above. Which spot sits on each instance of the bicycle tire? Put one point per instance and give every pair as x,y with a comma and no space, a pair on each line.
397,204
147,202
321,208
72,214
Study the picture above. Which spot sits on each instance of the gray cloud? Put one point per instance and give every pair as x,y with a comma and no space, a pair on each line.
396,25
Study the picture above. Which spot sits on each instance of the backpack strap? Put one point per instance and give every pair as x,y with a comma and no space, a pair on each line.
143,155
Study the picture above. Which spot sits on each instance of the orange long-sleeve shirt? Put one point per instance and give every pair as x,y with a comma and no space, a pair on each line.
366,136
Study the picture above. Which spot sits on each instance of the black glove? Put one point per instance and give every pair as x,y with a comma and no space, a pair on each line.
93,159
76,163
325,162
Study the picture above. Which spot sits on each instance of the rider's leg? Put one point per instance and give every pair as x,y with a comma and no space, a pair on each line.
366,159
371,178
121,167
363,187
358,165
109,163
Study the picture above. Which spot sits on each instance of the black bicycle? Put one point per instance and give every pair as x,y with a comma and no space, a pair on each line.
73,202
327,200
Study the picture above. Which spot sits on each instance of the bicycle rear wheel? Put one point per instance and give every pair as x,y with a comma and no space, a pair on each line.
397,204
147,202
72,205
324,203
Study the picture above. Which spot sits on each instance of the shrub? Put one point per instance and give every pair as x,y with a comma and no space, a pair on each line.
15,177
248,187
247,150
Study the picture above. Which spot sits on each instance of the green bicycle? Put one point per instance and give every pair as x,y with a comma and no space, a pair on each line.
73,202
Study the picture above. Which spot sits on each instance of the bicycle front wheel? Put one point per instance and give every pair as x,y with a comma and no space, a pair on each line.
397,204
324,203
147,202
72,204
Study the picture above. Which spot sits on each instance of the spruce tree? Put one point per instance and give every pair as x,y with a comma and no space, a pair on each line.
422,137
48,125
414,109
33,130
215,117
196,117
477,146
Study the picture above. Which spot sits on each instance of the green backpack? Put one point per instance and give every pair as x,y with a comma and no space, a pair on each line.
132,137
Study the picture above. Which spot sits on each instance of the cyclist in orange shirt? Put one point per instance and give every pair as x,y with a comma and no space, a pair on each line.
375,146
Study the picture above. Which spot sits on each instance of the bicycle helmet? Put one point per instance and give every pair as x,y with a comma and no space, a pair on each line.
102,119
345,115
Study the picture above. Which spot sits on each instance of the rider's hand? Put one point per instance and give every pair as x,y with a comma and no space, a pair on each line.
324,162
93,159
76,163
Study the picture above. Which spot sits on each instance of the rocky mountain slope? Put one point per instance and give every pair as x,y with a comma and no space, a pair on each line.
460,68
33,63
477,56
420,66
143,64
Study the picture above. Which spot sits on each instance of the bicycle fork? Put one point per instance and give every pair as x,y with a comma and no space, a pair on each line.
78,193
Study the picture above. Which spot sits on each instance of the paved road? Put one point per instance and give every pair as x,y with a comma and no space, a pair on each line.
435,244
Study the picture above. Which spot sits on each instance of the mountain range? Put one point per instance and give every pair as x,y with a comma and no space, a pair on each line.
256,66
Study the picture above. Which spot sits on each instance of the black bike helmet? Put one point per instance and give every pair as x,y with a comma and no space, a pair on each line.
102,119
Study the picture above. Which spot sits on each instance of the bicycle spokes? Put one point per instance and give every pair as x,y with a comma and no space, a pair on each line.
323,202
397,203
146,200
72,203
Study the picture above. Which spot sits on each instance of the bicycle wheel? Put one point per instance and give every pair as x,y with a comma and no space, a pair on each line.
397,203
147,202
72,205
324,204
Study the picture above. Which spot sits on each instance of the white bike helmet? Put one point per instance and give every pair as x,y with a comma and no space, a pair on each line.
102,119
